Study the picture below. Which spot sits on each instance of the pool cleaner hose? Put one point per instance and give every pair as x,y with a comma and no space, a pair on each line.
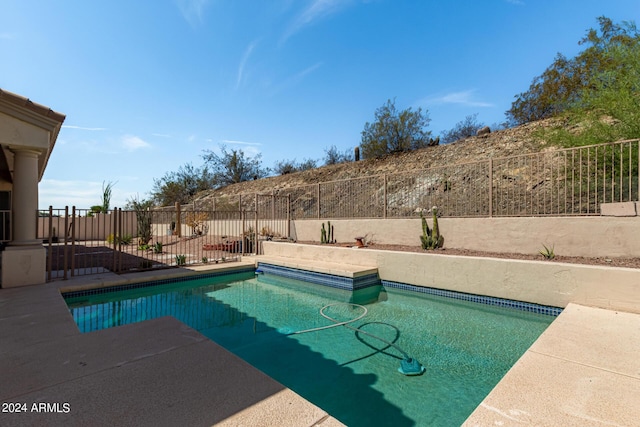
408,365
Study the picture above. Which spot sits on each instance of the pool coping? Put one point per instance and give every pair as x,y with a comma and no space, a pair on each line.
571,358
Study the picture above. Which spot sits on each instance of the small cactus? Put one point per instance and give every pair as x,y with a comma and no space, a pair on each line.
431,239
323,235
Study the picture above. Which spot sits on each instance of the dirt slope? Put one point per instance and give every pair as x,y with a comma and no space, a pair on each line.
502,143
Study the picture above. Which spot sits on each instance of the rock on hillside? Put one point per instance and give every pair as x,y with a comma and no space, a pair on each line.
501,143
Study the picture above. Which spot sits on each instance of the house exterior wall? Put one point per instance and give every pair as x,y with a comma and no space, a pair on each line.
28,132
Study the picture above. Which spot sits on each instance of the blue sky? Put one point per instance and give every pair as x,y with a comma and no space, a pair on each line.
147,85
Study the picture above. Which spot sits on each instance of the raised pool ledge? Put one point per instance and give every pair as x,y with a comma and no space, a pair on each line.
342,269
337,275
545,283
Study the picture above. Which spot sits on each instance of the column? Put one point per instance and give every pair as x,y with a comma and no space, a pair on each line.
25,196
24,260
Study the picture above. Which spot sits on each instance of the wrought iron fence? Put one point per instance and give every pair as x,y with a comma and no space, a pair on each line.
5,226
81,242
573,181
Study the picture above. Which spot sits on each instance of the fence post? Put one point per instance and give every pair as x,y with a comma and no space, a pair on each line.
490,187
178,221
255,229
288,216
119,253
64,257
115,238
243,220
273,207
318,198
73,241
50,249
384,203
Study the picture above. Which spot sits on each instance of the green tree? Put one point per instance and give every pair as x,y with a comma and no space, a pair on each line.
609,108
563,84
463,129
232,167
181,185
394,131
617,94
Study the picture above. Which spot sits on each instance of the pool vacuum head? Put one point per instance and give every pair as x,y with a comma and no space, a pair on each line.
411,366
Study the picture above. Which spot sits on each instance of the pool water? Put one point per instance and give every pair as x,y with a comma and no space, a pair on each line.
465,347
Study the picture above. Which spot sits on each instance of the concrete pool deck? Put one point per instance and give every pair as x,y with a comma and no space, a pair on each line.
584,370
157,372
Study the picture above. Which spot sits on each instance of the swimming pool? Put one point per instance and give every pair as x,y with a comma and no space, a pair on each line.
466,347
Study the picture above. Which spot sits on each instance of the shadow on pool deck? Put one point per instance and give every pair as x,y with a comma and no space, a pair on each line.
158,372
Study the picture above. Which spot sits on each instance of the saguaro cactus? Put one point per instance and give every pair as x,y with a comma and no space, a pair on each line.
329,232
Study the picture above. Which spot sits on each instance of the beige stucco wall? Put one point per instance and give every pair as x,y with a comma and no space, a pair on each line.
23,265
97,227
570,236
540,282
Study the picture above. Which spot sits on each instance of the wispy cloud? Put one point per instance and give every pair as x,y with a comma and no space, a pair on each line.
82,128
243,62
161,135
317,9
296,78
517,2
306,71
465,98
7,36
192,10
132,143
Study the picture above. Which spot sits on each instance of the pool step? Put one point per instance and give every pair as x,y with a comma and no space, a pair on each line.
343,276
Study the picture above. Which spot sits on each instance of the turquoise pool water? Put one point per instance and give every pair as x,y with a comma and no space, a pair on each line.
466,347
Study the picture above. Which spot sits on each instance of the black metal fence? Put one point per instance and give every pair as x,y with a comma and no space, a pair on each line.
81,242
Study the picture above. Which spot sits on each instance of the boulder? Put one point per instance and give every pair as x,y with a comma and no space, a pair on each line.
483,131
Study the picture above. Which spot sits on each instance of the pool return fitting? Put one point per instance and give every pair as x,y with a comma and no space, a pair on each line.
408,365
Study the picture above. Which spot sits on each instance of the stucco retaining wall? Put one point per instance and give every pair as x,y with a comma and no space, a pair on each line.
569,236
547,283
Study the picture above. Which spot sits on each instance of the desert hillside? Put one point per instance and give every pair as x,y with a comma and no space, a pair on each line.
503,143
